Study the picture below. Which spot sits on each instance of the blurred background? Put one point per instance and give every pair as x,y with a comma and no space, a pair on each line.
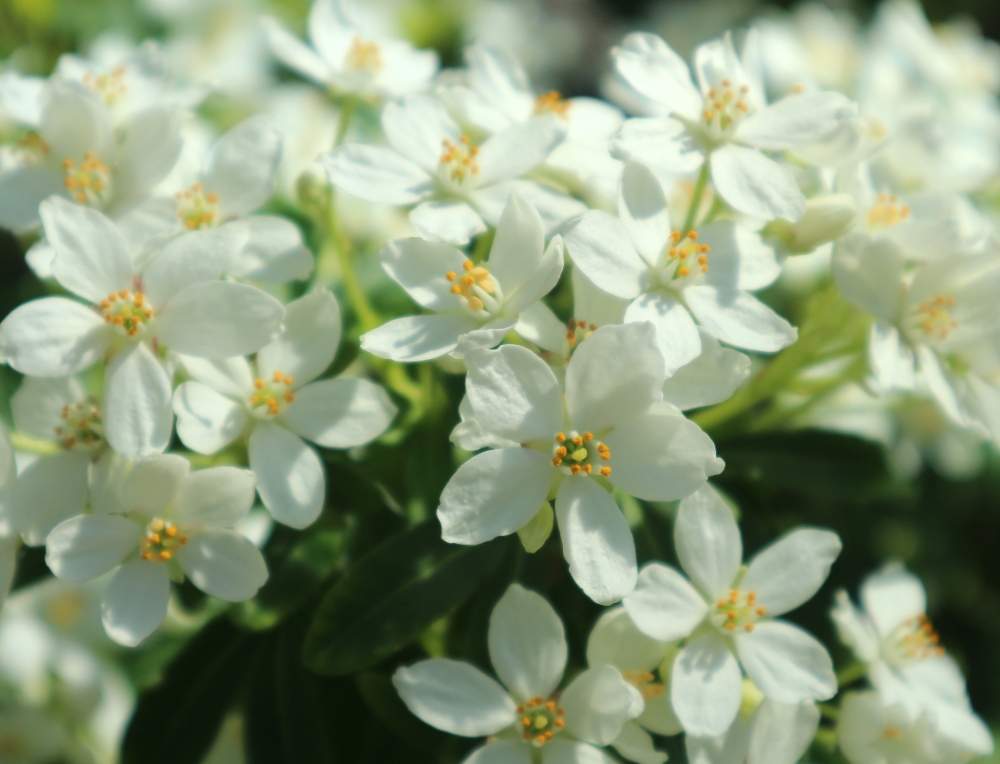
914,492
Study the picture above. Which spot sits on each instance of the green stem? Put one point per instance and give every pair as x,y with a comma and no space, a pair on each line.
347,108
850,674
32,445
696,194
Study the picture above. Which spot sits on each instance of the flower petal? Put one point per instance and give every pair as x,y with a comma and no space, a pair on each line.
449,221
647,64
739,319
274,251
597,703
500,752
224,564
891,596
309,341
148,148
517,149
710,378
708,541
455,697
756,185
290,475
518,245
421,268
53,337
417,338
796,120
677,336
295,54
207,421
705,686
377,174
190,258
135,602
664,605
340,413
216,496
600,246
527,644
782,733
617,641
153,484
493,494
49,490
564,751
790,571
138,418
87,546
597,542
643,208
786,663
243,165
636,745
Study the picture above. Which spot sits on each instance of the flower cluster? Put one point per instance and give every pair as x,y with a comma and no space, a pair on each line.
595,280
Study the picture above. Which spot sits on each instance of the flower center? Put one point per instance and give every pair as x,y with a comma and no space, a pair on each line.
476,287
725,105
88,181
127,310
915,640
646,683
577,331
459,159
540,720
270,398
108,85
934,317
552,103
739,610
576,454
197,208
364,56
161,542
81,426
887,212
685,253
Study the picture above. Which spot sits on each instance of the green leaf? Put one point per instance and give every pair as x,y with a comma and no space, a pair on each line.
393,594
179,719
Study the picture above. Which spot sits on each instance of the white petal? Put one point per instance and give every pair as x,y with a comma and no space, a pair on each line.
617,641
340,413
791,570
500,752
138,418
710,378
150,143
22,189
91,255
377,174
37,405
782,733
513,394
232,377
517,149
661,456
739,258
527,644
662,143
243,165
643,208
218,319
74,120
708,541
49,490
677,336
601,247
448,221
454,697
135,602
518,245
786,663
601,392
705,686
421,268
415,126
891,358
290,475
274,251
756,185
565,751
493,494
309,341
870,274
86,546
796,120
295,54
597,542
635,744
739,319
8,566
597,703
207,421
190,258
664,605
224,564
891,596
653,70
53,337
541,279
216,497
417,338
153,484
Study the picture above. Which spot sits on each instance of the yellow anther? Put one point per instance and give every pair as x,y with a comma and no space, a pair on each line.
364,56
887,212
541,720
725,106
553,103
109,85
583,456
127,310
738,610
934,317
474,287
683,248
459,159
80,425
270,398
197,208
578,330
87,181
161,541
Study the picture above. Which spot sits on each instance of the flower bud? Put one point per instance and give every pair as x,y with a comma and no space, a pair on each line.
826,218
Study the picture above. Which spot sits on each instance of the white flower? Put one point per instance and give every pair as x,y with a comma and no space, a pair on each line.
135,315
722,120
730,611
78,152
675,278
871,731
276,403
237,179
606,427
458,185
645,664
480,302
171,523
527,718
351,56
935,326
904,658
